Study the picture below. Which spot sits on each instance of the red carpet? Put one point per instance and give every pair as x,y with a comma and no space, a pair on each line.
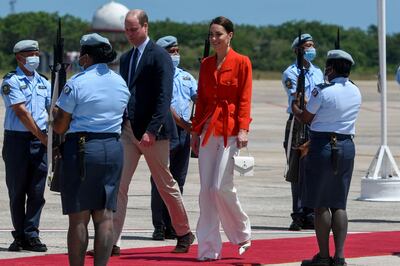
269,251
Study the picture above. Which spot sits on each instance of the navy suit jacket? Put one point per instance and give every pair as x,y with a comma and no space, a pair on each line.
151,92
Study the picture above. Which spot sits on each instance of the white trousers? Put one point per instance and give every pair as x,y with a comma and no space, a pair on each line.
218,200
156,157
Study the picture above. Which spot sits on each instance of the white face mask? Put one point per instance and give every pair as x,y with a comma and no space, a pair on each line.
32,63
175,59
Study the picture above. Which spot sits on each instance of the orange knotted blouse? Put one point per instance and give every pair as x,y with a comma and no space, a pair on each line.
224,96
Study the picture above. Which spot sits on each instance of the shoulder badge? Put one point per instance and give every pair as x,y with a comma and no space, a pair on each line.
46,78
5,89
288,83
315,92
9,74
67,90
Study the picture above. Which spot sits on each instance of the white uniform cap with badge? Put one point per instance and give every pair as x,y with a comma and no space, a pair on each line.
167,41
340,54
26,46
305,37
94,39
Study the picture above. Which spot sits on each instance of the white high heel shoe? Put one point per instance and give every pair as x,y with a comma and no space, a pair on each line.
244,246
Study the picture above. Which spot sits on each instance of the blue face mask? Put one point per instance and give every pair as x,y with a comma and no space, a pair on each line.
310,54
175,59
32,63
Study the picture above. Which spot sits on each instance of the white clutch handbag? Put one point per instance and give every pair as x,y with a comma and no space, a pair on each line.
244,165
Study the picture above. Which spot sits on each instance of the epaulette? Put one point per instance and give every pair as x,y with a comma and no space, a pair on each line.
9,74
46,78
325,85
352,82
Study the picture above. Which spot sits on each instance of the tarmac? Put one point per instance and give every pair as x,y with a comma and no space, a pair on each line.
265,197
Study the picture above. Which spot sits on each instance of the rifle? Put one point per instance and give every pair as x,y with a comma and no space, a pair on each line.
58,80
298,130
337,42
300,88
206,52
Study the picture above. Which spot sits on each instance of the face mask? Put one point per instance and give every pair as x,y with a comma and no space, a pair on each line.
175,59
310,54
32,63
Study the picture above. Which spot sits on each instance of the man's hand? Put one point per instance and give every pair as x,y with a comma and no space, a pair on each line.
242,139
148,139
195,143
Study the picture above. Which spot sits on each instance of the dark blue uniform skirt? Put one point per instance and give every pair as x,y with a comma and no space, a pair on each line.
103,166
322,188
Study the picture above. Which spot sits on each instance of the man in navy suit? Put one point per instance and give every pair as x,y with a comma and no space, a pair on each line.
148,71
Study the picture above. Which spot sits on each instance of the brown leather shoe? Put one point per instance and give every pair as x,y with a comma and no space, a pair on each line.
115,251
184,242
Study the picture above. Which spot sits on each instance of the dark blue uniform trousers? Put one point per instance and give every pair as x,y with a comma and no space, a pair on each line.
25,160
178,165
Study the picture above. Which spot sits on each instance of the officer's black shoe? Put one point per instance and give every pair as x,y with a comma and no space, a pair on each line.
34,244
317,260
339,262
295,225
170,233
16,245
158,234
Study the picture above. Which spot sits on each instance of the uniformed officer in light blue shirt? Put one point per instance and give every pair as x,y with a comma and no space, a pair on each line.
183,96
398,75
90,110
302,218
26,96
332,111
313,75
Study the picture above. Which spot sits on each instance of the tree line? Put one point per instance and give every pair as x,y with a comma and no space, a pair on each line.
269,47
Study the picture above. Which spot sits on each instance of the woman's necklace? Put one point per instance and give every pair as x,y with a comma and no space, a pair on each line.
220,62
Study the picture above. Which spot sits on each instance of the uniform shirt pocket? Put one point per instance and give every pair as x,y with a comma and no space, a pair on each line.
41,97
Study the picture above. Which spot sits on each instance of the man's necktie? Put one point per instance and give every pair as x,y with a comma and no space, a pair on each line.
133,65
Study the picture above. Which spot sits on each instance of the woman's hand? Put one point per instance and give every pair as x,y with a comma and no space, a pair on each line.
242,139
195,143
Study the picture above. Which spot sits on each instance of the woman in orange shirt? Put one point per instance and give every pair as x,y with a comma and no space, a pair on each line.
220,128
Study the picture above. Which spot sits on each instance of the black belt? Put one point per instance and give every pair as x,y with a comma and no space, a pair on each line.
21,134
317,134
91,135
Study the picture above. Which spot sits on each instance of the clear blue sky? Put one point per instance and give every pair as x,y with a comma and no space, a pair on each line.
348,13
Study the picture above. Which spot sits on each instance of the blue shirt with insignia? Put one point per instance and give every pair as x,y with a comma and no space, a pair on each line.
185,87
313,76
96,98
34,91
336,106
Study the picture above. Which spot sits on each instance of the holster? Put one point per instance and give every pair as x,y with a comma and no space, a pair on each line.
334,154
81,157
